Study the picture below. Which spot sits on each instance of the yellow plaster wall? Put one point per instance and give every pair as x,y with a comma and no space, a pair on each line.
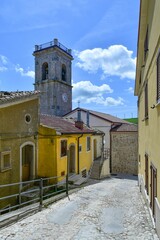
149,129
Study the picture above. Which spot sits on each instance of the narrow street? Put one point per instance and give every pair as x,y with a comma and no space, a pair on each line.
109,209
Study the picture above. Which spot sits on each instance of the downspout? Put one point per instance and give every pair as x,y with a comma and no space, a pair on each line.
110,157
78,150
102,157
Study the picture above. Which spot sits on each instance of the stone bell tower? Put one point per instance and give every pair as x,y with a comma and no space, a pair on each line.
53,67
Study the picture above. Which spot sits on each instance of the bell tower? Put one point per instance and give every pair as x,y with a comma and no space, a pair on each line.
53,68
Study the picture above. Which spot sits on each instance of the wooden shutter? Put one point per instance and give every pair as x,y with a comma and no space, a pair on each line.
146,45
158,78
146,100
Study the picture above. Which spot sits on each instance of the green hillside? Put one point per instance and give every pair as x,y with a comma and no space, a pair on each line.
132,120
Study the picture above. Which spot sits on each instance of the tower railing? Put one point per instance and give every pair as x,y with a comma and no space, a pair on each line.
53,43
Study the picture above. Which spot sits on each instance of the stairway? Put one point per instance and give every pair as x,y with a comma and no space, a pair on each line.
96,169
76,179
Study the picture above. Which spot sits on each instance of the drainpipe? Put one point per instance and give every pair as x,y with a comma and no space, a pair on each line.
102,157
78,150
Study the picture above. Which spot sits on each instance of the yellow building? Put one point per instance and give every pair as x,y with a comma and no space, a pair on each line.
34,146
18,145
64,144
147,88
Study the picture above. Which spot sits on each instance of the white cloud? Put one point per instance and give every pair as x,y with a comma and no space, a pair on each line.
115,61
24,73
86,92
3,63
3,59
130,90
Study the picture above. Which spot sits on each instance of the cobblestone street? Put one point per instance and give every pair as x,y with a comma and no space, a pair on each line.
109,209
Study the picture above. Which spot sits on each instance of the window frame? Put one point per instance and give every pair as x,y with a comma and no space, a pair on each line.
63,152
3,168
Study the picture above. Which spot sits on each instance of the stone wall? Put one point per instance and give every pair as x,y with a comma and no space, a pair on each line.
124,152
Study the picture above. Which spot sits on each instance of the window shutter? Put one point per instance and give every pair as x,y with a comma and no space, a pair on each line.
158,78
146,100
146,45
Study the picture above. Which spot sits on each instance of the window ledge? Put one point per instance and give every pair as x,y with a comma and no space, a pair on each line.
6,169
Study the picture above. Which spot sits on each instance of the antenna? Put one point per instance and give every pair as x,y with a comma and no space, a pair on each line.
78,104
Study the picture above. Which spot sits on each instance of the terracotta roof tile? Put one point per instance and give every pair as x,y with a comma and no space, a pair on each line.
101,115
13,96
126,127
63,125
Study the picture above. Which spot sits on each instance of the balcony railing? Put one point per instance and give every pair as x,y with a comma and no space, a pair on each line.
53,43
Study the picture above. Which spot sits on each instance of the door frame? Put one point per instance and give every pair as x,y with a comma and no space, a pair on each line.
153,188
33,160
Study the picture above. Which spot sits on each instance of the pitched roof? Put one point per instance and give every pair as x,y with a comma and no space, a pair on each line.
9,97
101,115
62,125
125,127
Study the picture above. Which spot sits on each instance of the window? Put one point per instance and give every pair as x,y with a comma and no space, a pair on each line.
28,118
5,160
146,100
63,72
45,71
158,78
146,45
88,143
63,148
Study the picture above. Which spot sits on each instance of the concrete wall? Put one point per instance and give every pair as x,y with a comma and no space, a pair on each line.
124,148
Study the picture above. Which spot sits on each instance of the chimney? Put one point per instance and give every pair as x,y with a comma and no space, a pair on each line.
79,124
87,123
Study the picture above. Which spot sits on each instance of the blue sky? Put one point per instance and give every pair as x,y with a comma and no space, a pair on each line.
102,35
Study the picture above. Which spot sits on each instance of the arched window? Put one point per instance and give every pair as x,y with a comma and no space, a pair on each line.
45,71
63,72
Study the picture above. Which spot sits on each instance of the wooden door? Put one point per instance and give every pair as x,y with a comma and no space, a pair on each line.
153,188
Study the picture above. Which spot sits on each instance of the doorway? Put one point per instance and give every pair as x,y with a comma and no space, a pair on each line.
27,162
153,188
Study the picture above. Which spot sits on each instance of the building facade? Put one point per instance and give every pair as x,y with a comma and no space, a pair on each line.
107,123
147,88
53,68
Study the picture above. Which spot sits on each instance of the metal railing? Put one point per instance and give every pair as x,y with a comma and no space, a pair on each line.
32,191
55,42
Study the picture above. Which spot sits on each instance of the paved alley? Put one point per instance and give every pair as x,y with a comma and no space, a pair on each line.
109,209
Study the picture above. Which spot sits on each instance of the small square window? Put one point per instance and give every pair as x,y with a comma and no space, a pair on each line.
5,160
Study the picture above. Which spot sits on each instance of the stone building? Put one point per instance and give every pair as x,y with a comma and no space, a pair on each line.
124,148
53,77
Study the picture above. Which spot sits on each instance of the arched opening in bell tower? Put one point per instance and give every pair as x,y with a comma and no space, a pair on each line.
45,71
63,72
